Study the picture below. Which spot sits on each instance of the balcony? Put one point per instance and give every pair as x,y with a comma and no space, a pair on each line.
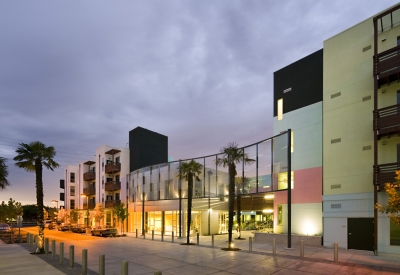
113,186
89,191
385,173
91,205
387,66
88,176
387,121
109,204
113,167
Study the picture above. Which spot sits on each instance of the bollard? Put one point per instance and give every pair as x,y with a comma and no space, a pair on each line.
84,261
273,246
250,244
336,253
198,239
46,246
172,236
152,235
102,265
53,249
27,238
212,240
71,256
157,272
301,249
144,235
136,233
162,236
61,253
124,268
35,240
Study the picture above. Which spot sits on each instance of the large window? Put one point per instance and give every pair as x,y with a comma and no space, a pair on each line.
280,109
72,204
72,190
72,177
280,215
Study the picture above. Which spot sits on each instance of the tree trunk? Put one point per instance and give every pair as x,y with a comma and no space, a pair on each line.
232,173
39,200
239,211
190,197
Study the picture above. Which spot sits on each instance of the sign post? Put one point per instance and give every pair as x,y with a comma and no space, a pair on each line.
19,224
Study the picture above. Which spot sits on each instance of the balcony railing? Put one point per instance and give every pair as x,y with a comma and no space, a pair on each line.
109,203
89,176
113,167
113,185
89,191
387,65
91,205
387,120
385,173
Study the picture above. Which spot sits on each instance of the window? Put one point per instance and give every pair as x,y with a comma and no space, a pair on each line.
117,159
394,234
102,182
72,190
292,141
72,204
102,197
117,178
151,187
102,164
280,109
117,196
283,180
280,214
72,177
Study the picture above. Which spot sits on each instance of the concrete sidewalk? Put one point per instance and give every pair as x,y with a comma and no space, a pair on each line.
145,256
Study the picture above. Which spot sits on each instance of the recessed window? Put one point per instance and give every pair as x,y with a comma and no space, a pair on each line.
280,214
72,177
72,190
280,109
72,204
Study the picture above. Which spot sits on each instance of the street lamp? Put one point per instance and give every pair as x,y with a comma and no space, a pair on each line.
55,201
87,209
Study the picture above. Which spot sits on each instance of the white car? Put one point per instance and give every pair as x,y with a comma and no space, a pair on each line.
4,227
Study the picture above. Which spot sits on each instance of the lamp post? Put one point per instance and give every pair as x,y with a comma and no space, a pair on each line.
87,209
55,201
209,202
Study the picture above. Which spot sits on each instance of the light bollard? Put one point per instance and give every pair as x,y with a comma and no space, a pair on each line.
301,249
144,234
250,244
71,256
84,261
27,238
198,239
273,246
162,236
212,240
335,252
61,253
136,233
102,264
172,236
124,268
53,249
152,235
157,272
46,246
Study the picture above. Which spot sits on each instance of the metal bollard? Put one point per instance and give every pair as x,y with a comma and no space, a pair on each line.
27,238
157,272
124,268
61,253
53,249
35,240
102,264
301,249
46,246
273,246
336,252
212,240
162,236
136,233
152,235
84,261
172,236
250,244
198,239
144,234
71,256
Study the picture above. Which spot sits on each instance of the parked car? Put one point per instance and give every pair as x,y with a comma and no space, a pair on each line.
4,227
65,227
79,228
104,231
52,225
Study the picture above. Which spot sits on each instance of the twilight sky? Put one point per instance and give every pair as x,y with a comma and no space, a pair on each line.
80,74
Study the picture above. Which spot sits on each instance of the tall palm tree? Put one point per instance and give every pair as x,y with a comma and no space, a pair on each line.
32,157
3,174
241,184
188,171
232,155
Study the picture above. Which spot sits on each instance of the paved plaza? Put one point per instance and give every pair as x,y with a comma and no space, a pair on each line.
145,256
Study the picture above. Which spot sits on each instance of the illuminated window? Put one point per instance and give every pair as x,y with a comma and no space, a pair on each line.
280,214
280,109
292,141
282,180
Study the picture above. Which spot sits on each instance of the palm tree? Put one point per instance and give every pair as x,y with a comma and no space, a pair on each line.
3,174
32,157
241,184
232,155
188,170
